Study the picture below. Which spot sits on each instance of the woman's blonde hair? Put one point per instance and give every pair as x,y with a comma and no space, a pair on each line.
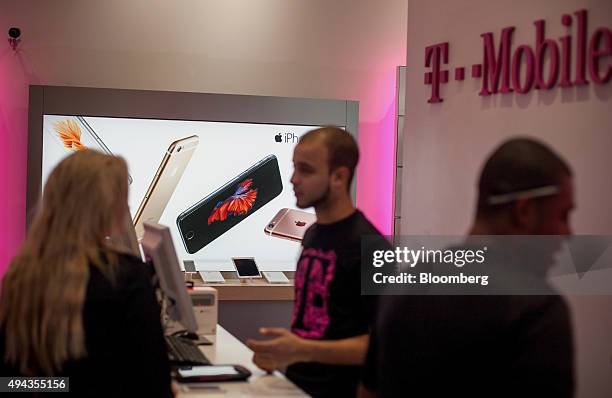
43,291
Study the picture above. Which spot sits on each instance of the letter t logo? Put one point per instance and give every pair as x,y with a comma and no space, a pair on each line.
433,55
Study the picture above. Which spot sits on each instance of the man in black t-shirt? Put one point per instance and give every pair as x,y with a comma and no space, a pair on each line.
329,334
486,346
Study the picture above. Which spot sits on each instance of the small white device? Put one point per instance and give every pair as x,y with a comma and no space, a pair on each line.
205,307
246,267
212,277
275,277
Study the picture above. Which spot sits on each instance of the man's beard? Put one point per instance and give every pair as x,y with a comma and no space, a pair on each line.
317,201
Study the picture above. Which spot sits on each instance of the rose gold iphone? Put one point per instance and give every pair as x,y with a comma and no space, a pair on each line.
290,224
164,182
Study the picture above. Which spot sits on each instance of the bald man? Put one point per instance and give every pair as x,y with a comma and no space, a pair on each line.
329,334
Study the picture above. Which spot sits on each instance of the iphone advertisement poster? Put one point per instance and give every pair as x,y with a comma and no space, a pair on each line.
217,185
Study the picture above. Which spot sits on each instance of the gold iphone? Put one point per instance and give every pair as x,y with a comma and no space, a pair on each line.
290,224
164,182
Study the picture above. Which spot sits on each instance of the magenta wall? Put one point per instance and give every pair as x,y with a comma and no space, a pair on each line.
346,49
13,156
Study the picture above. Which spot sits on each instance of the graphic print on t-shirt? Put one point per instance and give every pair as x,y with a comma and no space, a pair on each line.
314,273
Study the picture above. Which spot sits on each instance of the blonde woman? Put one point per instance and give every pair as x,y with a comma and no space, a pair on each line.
70,304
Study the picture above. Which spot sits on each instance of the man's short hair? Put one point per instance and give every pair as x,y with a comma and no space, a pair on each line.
518,165
341,147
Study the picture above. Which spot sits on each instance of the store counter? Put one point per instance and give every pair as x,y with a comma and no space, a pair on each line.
228,350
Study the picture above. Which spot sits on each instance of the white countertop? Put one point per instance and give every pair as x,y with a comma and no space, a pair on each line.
228,350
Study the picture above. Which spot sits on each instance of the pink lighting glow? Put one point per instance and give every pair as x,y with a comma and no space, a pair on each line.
377,140
375,180
13,119
326,50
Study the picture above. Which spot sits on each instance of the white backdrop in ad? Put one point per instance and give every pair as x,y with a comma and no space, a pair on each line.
224,151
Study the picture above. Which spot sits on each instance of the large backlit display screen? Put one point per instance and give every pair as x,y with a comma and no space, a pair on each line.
217,185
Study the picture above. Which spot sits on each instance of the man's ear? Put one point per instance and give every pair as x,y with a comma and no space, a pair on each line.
339,177
523,212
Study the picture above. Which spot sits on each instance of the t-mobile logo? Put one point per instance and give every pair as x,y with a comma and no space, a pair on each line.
544,64
433,56
286,137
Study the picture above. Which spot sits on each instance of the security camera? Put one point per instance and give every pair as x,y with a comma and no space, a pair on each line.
14,37
14,33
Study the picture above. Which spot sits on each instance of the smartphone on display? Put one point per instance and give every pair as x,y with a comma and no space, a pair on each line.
246,267
212,373
169,173
211,277
229,205
290,224
275,277
74,133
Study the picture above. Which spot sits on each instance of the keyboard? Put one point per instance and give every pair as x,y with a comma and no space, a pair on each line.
182,351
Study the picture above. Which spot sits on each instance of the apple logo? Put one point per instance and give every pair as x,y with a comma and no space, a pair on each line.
278,137
300,223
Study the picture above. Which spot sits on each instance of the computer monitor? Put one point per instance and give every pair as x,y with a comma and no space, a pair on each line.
158,248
